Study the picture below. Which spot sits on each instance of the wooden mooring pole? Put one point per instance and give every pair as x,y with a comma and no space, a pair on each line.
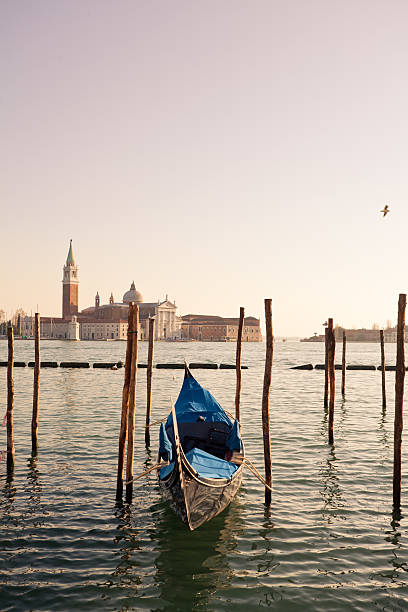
34,420
10,402
125,407
238,365
265,400
343,366
399,398
331,348
149,381
384,398
326,372
131,411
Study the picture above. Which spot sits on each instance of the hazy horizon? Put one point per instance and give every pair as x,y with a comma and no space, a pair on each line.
218,152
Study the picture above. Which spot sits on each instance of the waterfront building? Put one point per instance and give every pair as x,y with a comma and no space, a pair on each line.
109,321
102,321
211,328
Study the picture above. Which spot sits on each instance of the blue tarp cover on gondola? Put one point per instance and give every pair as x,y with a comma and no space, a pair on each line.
205,464
165,448
195,401
234,440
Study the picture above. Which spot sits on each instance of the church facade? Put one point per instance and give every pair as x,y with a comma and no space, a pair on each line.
103,321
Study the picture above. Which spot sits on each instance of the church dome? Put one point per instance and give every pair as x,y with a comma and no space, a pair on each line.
132,295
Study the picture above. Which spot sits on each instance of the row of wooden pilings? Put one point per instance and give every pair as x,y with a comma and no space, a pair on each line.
10,395
329,388
129,394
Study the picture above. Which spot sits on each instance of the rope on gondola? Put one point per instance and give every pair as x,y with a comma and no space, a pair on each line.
245,460
158,466
255,472
157,422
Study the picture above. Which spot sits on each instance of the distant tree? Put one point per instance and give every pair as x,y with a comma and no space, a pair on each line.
19,312
2,316
388,324
375,326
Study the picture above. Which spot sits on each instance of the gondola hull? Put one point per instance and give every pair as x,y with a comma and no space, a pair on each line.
197,500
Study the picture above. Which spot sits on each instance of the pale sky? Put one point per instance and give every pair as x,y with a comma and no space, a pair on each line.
220,151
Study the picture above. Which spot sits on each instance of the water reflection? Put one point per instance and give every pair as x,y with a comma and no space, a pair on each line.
7,500
396,561
33,490
192,566
331,491
127,541
383,436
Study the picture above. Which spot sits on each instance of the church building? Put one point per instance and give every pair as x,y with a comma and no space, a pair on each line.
106,321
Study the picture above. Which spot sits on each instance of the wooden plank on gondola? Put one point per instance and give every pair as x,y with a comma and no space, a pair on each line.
179,463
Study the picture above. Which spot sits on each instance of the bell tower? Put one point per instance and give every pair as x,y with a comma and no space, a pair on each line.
70,286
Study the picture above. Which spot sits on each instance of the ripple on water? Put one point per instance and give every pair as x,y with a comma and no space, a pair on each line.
329,541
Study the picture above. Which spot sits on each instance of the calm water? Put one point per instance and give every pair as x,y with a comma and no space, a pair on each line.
329,541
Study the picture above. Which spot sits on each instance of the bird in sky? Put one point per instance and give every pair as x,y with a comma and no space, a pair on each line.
385,210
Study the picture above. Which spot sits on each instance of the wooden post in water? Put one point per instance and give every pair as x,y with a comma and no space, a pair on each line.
125,408
331,347
399,398
384,398
326,372
238,365
265,400
10,402
343,366
131,411
149,381
34,420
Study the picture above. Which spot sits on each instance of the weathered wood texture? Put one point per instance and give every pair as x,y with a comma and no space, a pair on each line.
326,372
132,398
343,365
399,398
125,408
265,400
384,397
36,389
238,365
10,401
149,374
331,348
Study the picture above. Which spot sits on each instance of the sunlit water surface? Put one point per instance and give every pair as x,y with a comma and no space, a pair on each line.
328,542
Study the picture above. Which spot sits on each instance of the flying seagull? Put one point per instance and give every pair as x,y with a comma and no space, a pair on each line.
385,210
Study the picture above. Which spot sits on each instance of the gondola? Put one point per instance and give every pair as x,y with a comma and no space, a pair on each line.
204,451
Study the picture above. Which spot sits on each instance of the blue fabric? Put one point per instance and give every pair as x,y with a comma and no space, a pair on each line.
165,448
205,464
209,466
234,441
194,401
166,470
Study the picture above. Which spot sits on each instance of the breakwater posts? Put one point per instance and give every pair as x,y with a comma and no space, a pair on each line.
132,400
114,365
10,403
149,380
36,389
238,365
16,364
265,402
125,405
343,366
331,347
326,370
382,367
338,366
399,401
